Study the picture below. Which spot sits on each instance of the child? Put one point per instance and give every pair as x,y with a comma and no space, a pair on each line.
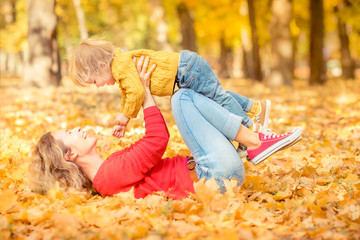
98,62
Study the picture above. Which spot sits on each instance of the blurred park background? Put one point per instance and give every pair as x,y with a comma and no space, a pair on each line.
303,55
270,41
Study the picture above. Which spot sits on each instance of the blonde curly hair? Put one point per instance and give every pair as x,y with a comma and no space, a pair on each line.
87,58
48,166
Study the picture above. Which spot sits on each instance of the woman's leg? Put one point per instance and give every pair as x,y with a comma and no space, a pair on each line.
195,72
205,127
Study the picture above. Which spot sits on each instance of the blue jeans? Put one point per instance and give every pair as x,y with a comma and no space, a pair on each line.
206,127
194,72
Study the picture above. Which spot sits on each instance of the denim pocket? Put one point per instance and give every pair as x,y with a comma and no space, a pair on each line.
189,81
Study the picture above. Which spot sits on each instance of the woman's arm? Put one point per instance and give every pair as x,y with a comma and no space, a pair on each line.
126,168
145,76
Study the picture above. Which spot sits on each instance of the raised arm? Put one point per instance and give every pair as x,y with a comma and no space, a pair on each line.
126,168
144,76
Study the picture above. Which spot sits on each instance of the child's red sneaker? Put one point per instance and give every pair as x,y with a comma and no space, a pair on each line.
272,143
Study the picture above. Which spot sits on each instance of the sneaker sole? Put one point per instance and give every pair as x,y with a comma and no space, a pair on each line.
295,141
291,144
267,115
283,144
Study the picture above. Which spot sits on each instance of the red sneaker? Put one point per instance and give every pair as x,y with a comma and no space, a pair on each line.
272,143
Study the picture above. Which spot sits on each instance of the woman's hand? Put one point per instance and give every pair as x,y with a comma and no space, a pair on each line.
141,67
145,76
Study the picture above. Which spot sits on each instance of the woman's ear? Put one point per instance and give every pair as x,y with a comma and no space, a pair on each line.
70,156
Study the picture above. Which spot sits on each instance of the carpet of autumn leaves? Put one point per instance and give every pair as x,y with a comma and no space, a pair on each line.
310,191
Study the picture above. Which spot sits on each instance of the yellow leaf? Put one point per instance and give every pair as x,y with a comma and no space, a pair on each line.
206,191
56,192
39,214
97,217
8,201
138,232
283,194
352,211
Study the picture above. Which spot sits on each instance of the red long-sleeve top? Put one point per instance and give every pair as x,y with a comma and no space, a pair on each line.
141,165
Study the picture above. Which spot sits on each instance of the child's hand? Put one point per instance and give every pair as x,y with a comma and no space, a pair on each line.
121,120
118,131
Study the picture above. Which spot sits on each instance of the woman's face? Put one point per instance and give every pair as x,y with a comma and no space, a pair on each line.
76,140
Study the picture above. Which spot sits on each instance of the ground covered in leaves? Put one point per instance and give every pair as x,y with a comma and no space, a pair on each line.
311,191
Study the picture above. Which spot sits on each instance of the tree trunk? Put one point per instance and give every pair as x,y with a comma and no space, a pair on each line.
255,44
347,63
158,17
281,44
295,40
67,38
2,62
225,58
248,66
42,63
81,19
187,28
317,66
9,11
10,59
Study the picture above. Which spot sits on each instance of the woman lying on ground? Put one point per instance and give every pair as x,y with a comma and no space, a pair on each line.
70,156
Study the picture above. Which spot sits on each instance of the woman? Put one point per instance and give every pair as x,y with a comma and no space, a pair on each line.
70,156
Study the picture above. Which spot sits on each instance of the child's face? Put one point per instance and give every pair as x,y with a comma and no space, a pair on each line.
105,77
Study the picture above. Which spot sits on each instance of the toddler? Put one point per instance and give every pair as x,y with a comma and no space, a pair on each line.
99,62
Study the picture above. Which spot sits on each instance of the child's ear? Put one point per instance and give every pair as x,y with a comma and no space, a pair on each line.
102,65
70,156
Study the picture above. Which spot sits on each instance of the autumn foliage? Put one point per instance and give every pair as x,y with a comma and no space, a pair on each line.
310,191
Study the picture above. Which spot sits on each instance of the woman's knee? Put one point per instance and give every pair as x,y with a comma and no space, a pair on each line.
181,94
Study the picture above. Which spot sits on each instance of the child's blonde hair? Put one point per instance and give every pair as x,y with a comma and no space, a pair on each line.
87,59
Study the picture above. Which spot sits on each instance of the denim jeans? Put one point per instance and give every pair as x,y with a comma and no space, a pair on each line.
194,72
206,128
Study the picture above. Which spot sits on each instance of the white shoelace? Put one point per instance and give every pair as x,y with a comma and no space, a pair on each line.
256,126
269,134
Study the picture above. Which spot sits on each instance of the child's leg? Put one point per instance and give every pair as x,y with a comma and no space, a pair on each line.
258,111
246,103
195,72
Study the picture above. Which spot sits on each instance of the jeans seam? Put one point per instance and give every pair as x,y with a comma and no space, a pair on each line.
190,65
187,126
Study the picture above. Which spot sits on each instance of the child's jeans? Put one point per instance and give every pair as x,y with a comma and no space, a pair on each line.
205,127
195,72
